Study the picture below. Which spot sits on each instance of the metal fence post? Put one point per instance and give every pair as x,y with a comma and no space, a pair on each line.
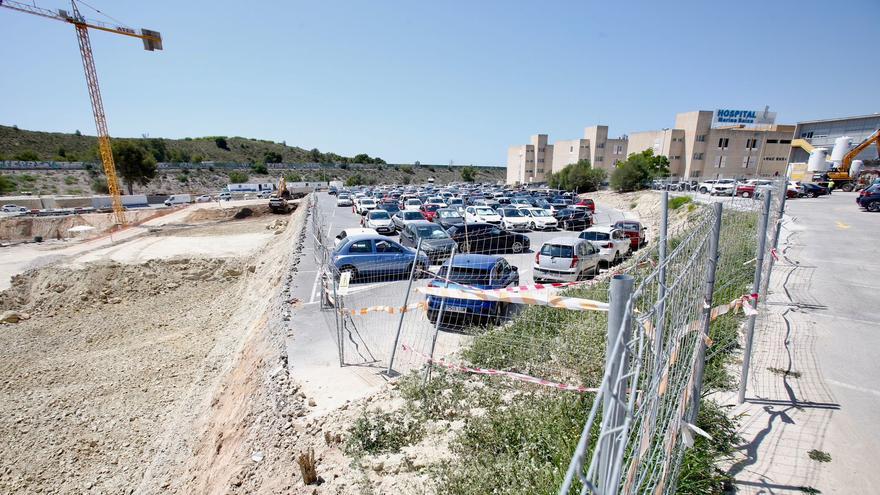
711,266
613,408
661,263
403,310
756,286
774,244
439,314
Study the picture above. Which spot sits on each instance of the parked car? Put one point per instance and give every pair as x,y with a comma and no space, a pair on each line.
390,207
613,244
706,186
472,270
225,196
814,190
447,217
488,238
204,198
541,219
346,233
380,221
477,214
343,199
429,210
723,187
869,198
14,209
747,190
515,219
573,218
436,242
372,257
363,205
635,231
412,204
403,217
566,259
178,199
332,190
589,203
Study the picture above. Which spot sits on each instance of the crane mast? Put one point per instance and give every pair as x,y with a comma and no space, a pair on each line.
152,41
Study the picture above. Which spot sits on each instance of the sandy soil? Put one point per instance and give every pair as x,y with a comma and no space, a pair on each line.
142,371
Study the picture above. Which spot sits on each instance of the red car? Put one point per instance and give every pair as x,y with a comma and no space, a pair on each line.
635,231
588,203
429,211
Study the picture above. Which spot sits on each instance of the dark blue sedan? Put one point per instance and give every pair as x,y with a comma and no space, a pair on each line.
472,270
375,257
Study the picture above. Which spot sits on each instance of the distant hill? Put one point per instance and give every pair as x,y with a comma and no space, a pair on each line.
20,144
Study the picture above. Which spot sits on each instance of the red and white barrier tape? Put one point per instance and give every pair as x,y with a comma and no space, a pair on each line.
539,299
387,309
485,371
774,253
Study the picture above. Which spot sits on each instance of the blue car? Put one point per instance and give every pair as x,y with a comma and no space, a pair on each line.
474,270
374,257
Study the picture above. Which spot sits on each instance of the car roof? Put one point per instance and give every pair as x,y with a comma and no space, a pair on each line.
424,223
356,231
478,261
371,237
564,241
600,228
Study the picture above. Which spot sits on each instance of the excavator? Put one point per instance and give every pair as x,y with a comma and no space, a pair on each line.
841,175
278,200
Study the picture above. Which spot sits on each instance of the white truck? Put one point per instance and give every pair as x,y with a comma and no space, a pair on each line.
178,199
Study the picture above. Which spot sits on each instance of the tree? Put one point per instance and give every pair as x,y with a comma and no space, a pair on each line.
293,177
468,174
157,148
315,156
378,161
260,169
27,156
134,163
99,185
362,158
579,177
639,170
77,133
273,157
354,180
238,177
221,143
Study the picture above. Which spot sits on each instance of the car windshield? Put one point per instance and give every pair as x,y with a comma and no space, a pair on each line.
368,202
413,215
431,232
379,215
540,213
413,202
594,236
341,196
510,212
448,214
556,251
432,207
467,276
628,225
485,211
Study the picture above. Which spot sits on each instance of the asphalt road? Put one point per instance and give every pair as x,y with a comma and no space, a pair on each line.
312,347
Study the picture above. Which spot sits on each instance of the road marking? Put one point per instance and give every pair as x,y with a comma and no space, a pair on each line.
841,225
315,286
854,387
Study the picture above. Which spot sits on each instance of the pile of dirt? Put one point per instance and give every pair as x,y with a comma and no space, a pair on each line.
25,228
218,214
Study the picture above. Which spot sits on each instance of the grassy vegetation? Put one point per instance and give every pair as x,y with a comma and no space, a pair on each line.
678,201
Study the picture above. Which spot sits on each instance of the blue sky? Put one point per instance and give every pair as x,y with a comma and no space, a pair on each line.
439,81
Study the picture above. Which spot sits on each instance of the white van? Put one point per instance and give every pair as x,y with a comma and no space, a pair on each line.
178,199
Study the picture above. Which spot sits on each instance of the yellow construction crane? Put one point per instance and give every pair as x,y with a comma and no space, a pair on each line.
152,41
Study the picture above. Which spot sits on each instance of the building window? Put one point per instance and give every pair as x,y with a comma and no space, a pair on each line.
723,143
696,173
676,157
749,161
751,144
600,145
720,161
698,156
570,149
785,141
540,160
772,141
540,170
616,161
807,135
618,149
600,158
540,150
701,138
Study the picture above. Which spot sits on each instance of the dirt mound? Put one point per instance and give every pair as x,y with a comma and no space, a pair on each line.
26,228
214,214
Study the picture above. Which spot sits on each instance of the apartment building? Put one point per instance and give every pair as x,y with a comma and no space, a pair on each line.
532,162
721,144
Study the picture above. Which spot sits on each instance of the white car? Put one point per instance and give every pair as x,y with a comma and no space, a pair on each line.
350,232
541,218
380,221
14,209
515,219
723,187
343,199
412,204
479,214
204,198
225,196
706,186
437,200
613,244
364,205
566,259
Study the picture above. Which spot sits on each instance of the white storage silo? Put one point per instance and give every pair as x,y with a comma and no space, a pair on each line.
842,145
855,168
817,162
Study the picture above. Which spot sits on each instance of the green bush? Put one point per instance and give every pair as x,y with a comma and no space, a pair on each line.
407,169
699,472
677,202
468,174
259,169
7,184
378,432
26,156
99,186
238,177
70,180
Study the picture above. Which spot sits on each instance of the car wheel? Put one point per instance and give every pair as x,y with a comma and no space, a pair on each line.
811,194
703,190
531,225
745,194
516,247
847,187
349,269
873,206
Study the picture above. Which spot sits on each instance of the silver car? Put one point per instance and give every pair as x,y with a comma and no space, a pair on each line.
566,259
